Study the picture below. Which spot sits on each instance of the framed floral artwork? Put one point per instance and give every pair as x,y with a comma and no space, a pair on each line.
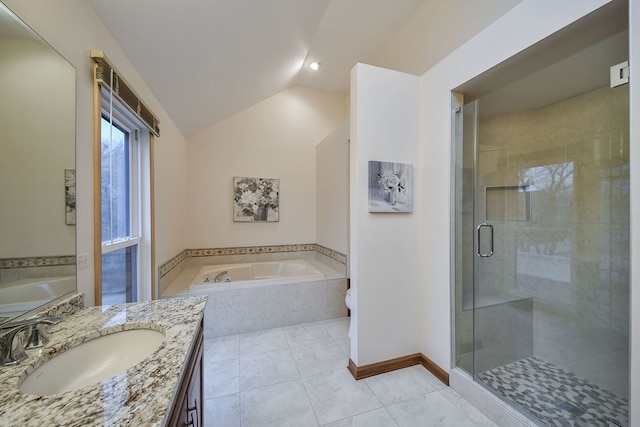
390,187
70,196
256,199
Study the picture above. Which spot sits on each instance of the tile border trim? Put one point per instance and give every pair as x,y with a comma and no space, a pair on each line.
250,250
334,255
40,261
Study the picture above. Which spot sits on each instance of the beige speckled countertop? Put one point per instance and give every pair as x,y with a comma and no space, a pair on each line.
140,396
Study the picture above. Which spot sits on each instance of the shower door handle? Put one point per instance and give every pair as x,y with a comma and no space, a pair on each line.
479,228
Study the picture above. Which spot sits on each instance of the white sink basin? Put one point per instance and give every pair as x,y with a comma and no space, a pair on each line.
92,361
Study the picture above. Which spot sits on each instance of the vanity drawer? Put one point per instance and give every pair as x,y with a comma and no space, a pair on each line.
187,409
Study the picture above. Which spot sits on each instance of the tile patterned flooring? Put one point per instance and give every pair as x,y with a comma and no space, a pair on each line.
297,376
556,397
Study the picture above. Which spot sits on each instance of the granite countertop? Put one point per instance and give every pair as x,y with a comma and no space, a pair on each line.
140,396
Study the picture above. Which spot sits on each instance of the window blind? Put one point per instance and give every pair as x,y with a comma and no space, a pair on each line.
123,91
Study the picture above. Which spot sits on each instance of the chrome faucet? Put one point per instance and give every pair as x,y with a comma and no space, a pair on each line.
8,331
218,277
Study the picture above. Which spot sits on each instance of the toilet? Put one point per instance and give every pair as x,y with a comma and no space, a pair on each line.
347,301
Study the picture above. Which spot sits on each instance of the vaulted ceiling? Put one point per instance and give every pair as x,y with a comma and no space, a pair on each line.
206,60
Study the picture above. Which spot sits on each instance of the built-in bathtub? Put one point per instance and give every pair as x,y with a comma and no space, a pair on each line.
264,295
246,275
24,295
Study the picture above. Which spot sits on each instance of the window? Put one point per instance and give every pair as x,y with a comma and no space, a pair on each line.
123,137
123,202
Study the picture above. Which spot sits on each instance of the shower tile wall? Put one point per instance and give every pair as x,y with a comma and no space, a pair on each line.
572,256
504,334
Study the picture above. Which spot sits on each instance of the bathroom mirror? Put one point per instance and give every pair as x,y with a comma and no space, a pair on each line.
37,170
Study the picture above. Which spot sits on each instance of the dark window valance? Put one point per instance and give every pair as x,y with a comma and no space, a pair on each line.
108,77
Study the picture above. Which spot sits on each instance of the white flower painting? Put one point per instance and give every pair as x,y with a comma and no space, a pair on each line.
390,187
256,199
70,196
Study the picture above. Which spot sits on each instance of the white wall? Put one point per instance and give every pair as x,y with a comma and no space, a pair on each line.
275,138
332,190
384,258
524,25
74,29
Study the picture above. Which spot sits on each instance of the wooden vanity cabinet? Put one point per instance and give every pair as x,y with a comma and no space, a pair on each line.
188,408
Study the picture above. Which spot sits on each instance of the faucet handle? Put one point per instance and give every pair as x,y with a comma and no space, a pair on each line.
12,351
37,338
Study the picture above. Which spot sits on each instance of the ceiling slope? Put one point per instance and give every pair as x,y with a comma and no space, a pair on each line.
206,60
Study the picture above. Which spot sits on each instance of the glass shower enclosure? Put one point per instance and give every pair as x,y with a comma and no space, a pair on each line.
542,246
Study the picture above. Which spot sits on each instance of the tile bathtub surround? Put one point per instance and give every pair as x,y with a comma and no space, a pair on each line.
251,309
139,396
339,265
297,376
255,309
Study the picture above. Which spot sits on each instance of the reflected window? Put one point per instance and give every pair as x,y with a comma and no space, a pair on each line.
116,182
511,203
544,246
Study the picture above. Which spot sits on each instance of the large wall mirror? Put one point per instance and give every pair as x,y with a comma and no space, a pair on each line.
37,170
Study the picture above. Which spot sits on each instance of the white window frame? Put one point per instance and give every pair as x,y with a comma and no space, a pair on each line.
140,203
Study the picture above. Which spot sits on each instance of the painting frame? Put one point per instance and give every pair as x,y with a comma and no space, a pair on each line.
390,187
70,196
256,199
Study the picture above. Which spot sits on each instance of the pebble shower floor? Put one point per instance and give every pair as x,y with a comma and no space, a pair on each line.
556,397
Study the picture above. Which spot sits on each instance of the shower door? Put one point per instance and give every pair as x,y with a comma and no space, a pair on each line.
543,267
504,223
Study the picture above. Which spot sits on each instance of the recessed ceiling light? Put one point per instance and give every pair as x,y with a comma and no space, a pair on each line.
314,65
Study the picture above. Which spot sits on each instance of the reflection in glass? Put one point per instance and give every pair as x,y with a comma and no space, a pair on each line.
544,251
508,203
119,276
116,194
37,148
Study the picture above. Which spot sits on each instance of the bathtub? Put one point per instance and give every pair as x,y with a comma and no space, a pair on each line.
263,295
23,295
247,275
